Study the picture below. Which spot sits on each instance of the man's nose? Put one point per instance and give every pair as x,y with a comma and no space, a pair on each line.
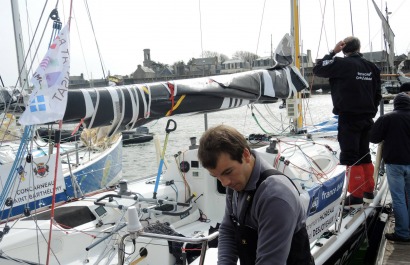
224,181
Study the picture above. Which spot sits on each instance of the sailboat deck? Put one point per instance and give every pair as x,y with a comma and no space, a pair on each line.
392,253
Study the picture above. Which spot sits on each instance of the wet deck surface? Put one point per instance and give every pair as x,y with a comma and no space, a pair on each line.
390,252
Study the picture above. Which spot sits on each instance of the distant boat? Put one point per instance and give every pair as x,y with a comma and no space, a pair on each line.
258,139
392,87
140,135
48,135
12,98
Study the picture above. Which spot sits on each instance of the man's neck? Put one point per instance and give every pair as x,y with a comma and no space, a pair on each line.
349,54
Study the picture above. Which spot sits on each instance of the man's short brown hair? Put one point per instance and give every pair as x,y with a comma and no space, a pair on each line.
352,45
221,139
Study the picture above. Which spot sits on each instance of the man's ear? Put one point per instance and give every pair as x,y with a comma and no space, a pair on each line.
246,155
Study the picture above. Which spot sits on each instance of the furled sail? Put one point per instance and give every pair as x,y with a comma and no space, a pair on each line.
388,35
284,51
125,107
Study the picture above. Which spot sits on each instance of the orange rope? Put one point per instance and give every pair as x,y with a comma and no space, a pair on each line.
171,97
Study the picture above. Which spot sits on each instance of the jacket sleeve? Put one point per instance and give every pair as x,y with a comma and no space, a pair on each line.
377,133
227,251
277,221
326,67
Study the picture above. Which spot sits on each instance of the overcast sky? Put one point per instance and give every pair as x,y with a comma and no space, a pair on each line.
172,29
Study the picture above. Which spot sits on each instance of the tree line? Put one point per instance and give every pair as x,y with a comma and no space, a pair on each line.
240,55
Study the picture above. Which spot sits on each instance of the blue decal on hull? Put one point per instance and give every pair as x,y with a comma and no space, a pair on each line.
91,178
323,195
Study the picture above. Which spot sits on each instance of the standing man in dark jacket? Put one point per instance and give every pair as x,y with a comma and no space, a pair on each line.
264,221
356,94
393,128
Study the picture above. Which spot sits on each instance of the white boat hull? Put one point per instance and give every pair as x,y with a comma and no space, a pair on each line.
206,210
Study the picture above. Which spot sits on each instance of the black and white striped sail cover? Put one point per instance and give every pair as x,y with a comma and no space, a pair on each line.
125,107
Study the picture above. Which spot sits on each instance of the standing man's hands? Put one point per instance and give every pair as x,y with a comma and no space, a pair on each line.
339,47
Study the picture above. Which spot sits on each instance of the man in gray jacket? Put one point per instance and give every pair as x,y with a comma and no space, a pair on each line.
264,221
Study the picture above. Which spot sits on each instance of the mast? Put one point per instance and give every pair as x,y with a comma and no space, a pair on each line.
18,37
298,121
271,51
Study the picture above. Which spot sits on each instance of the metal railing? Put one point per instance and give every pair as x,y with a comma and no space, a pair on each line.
195,240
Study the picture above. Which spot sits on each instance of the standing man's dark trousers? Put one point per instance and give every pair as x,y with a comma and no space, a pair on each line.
353,137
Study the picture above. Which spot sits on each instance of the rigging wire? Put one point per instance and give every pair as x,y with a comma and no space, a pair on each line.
31,43
276,131
82,49
95,38
58,147
334,21
380,29
202,56
8,105
351,15
7,109
63,7
368,25
200,27
322,11
246,119
28,129
31,128
307,112
28,33
264,118
11,178
395,11
260,27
